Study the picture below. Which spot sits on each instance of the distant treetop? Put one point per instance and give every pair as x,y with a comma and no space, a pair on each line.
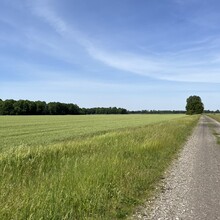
194,105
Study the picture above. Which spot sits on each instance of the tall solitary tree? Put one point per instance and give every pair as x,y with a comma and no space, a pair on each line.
194,105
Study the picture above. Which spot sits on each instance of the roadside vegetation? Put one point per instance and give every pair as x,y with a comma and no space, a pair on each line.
104,176
215,131
215,116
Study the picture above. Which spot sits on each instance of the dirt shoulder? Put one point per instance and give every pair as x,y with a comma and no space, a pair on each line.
191,188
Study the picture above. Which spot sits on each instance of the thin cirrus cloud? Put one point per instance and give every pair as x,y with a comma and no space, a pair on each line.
185,65
43,10
163,69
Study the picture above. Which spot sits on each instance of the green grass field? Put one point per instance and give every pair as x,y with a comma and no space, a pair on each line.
42,130
85,167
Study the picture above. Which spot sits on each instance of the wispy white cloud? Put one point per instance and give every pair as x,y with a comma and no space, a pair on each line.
126,61
170,68
176,66
41,9
44,10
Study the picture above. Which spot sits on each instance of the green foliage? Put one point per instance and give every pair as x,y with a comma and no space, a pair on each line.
7,107
1,105
41,108
26,107
101,110
194,105
101,177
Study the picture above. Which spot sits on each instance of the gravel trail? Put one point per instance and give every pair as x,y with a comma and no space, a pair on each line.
191,188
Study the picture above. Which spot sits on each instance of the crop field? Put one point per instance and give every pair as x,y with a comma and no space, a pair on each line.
84,167
41,130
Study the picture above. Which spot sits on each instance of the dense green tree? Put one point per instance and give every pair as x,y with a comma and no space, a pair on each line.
101,110
26,107
57,108
73,109
32,108
8,107
194,105
1,104
53,108
122,111
41,108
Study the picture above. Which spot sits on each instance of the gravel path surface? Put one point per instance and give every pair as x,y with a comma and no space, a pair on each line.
191,188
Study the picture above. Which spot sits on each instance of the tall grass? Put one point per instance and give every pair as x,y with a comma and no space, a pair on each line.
214,128
215,116
101,177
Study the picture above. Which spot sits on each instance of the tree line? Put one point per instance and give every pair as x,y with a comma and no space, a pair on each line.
158,112
26,107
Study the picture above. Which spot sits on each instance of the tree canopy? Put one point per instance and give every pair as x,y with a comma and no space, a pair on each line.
26,107
194,105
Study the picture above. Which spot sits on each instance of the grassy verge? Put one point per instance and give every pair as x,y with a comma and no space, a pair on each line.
101,177
212,126
215,116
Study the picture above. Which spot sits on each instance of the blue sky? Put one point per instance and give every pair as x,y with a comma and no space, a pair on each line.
136,54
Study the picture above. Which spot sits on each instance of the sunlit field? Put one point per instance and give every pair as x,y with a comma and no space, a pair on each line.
41,130
84,167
